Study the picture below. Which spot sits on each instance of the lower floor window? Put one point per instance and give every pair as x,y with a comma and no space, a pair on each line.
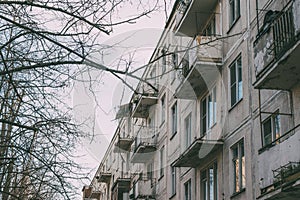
187,190
209,183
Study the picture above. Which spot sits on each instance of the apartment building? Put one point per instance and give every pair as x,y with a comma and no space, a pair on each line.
218,111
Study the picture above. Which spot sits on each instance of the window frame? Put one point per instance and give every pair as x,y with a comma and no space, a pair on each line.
205,186
188,190
239,172
188,130
236,85
173,180
275,123
207,122
234,11
164,61
174,119
163,108
161,161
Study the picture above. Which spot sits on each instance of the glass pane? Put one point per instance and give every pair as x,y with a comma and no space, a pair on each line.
232,75
267,131
211,183
210,111
233,94
277,127
215,105
236,176
243,173
240,78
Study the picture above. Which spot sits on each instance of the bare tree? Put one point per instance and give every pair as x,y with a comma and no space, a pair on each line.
43,46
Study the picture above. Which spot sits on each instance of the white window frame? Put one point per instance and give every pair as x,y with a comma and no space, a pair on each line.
208,111
236,81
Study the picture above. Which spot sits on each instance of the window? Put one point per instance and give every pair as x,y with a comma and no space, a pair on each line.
271,129
238,159
187,190
162,152
236,82
174,119
234,12
188,131
208,111
164,61
173,180
153,77
150,171
163,108
209,183
210,29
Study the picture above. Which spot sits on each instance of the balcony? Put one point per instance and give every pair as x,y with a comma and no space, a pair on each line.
121,188
201,70
123,144
276,49
104,177
124,111
286,184
192,16
91,193
198,152
144,146
142,104
143,188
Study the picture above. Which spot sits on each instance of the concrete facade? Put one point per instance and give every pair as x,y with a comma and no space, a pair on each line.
218,116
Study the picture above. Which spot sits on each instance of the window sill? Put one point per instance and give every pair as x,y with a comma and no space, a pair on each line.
173,135
233,24
172,196
237,193
235,105
265,148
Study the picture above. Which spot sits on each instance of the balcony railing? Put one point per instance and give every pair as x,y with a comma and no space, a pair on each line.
285,173
286,183
123,144
144,145
104,177
142,103
199,67
143,188
277,39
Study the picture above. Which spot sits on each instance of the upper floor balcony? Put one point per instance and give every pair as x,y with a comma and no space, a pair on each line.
104,177
276,48
192,15
123,144
144,145
142,104
143,188
200,67
198,152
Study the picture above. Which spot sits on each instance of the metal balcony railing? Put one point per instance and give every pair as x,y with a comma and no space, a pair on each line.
283,173
283,29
